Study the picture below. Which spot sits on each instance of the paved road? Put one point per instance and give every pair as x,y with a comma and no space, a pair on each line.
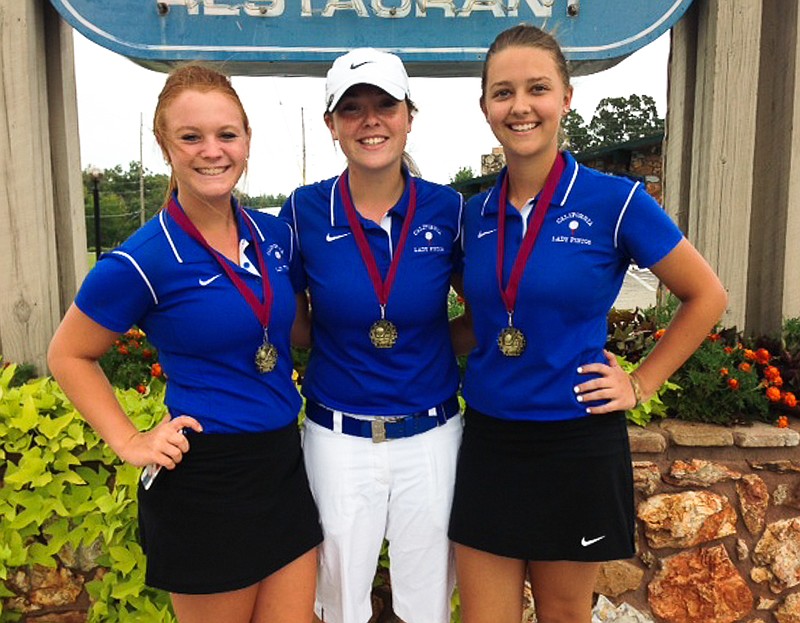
638,289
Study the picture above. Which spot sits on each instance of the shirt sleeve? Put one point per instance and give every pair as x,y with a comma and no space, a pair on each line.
645,232
297,272
116,293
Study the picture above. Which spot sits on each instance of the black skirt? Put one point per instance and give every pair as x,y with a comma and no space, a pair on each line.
236,509
545,490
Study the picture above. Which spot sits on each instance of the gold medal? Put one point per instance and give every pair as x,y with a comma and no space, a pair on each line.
511,342
383,333
266,356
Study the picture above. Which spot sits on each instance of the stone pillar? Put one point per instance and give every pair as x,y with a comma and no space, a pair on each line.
732,147
42,232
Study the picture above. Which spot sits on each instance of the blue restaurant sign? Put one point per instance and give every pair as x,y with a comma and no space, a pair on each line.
302,37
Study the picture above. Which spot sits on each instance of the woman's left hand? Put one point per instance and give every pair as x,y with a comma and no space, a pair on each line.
613,385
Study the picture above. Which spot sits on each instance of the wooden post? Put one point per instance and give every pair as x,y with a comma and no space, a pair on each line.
791,260
41,209
731,159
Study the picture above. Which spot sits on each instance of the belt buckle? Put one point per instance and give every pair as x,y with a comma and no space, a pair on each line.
378,430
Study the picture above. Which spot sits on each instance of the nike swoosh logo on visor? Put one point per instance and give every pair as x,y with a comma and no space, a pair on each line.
357,65
331,237
587,542
205,282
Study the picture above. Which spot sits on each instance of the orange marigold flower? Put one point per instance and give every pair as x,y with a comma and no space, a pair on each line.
733,384
659,334
141,389
714,337
723,372
773,394
156,370
122,350
749,354
763,356
147,353
789,399
745,367
777,381
728,350
783,422
771,372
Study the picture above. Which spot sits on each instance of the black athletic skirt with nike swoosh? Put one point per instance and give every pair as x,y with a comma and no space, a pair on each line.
236,509
545,490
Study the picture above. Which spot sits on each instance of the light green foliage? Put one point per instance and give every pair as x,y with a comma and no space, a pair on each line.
64,491
644,413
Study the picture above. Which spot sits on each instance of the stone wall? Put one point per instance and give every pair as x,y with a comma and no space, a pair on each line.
718,525
718,536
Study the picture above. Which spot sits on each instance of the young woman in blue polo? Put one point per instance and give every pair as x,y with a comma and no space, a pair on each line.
544,488
226,516
379,247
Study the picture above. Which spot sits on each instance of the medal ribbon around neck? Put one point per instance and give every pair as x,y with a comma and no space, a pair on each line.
382,287
261,310
509,293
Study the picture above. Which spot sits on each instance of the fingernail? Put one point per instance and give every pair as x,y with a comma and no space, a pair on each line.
579,399
576,389
588,410
580,370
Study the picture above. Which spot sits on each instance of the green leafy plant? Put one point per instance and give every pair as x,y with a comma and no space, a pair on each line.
724,383
654,407
131,362
66,500
23,372
630,333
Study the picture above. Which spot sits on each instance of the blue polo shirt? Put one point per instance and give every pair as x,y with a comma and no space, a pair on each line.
595,226
345,370
163,281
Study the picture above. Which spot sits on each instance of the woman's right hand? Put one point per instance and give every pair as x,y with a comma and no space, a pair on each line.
163,445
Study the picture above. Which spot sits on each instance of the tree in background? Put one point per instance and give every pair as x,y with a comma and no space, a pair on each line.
577,133
262,201
462,175
120,202
622,119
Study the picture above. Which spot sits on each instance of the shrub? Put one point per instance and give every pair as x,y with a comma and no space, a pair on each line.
131,362
65,497
724,383
644,413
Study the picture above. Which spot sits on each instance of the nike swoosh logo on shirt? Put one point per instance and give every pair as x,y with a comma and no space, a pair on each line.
481,234
331,237
587,542
205,282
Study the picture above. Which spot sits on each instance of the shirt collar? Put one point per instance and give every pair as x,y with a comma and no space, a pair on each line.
560,196
187,250
339,216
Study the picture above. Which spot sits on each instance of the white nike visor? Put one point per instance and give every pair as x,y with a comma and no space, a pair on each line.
366,66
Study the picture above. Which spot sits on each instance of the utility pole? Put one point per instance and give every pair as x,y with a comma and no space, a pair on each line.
141,173
303,132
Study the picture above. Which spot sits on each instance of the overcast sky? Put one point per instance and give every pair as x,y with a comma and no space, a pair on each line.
449,132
